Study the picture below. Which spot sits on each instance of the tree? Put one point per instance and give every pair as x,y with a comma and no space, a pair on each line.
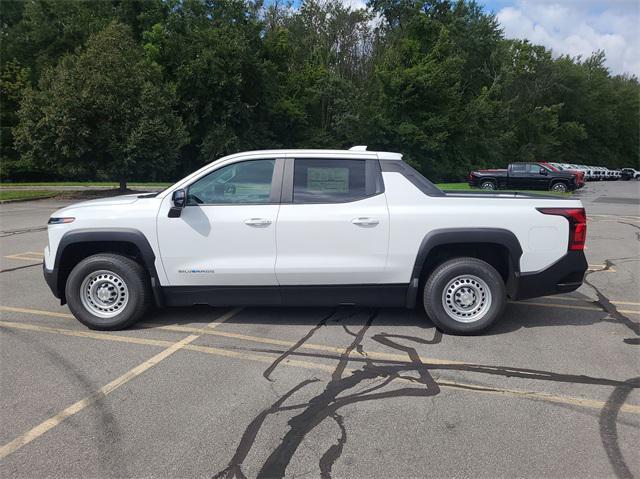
212,51
14,79
103,111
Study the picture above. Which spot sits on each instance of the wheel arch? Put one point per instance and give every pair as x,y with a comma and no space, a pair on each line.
79,244
499,247
493,179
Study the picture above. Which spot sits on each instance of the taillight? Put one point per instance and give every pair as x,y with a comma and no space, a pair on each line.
577,224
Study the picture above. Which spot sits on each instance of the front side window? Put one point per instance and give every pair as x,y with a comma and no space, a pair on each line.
534,168
240,183
329,181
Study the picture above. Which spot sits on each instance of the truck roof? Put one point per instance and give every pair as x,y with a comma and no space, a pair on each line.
359,152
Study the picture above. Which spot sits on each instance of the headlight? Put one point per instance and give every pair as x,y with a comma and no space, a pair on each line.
60,220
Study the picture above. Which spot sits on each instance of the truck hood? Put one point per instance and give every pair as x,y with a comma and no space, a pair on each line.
112,201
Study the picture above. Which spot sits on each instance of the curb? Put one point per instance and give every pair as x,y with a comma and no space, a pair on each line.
23,200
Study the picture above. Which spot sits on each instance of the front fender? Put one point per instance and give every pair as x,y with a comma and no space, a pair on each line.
109,235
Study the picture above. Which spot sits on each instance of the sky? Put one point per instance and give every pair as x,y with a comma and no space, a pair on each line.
576,27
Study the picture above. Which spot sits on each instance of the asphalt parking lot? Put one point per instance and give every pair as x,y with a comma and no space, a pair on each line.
552,390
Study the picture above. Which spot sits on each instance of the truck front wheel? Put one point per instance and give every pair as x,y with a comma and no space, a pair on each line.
108,291
559,187
464,296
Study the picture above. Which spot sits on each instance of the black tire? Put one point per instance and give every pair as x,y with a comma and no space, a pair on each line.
488,185
131,273
434,297
559,186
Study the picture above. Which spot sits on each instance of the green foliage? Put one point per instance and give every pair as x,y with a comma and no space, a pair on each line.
103,111
151,89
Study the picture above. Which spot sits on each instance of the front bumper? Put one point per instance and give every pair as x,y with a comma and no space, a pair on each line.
51,277
563,276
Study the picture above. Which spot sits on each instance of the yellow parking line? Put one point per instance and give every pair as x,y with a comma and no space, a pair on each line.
25,257
624,217
288,344
75,408
601,268
279,342
587,300
188,329
86,334
26,253
36,311
469,387
626,303
570,306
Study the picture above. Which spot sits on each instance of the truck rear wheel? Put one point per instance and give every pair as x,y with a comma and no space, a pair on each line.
108,291
464,296
488,185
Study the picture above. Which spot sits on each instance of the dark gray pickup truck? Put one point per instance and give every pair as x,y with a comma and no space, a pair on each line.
524,176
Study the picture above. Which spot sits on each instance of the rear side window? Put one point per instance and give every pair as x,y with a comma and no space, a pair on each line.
519,168
334,181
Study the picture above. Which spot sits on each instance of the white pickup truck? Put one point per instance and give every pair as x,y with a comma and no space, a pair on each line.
313,228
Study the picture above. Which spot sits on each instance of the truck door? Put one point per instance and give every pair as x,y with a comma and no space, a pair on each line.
333,224
517,176
226,234
538,176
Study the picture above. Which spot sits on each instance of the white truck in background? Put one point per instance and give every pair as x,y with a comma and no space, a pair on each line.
313,228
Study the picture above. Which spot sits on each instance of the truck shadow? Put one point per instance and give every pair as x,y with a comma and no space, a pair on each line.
516,316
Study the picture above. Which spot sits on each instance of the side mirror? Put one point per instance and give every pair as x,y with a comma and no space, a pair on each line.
179,200
544,172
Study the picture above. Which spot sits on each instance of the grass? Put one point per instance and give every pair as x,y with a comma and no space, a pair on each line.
85,183
26,194
466,187
453,186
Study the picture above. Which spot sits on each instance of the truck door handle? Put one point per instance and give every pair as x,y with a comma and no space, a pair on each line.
257,222
365,221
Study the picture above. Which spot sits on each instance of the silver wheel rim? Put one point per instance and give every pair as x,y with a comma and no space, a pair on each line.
104,294
466,298
559,187
487,186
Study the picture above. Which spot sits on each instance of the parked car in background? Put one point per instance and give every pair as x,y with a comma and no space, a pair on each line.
629,174
531,176
598,173
588,173
581,177
610,175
